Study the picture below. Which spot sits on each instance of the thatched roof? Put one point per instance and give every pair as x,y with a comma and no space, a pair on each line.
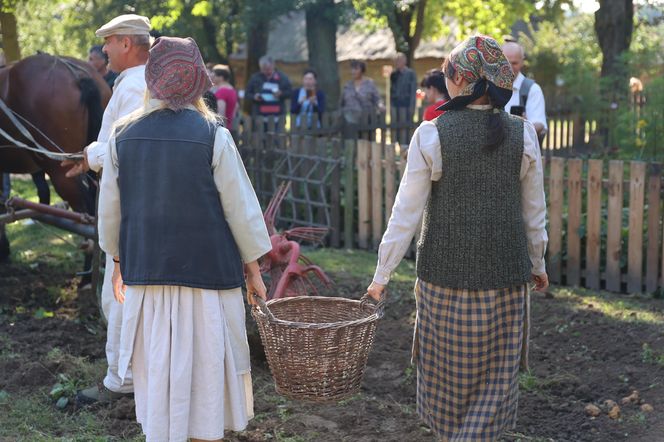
287,42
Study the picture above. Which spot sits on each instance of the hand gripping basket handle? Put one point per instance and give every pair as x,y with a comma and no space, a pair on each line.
262,306
380,305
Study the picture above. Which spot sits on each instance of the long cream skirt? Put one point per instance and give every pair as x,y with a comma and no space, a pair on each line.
189,355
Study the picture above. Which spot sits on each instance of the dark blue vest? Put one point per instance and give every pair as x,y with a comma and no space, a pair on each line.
173,229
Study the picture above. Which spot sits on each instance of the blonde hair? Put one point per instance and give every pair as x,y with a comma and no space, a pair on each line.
200,106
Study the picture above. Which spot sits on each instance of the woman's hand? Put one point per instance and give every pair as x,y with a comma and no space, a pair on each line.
255,284
541,282
375,290
118,286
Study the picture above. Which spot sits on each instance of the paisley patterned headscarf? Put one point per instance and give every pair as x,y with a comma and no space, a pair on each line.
481,62
175,71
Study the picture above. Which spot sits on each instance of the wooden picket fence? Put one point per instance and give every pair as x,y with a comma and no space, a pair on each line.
605,231
605,221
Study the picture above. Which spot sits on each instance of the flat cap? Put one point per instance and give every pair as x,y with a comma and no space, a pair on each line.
127,24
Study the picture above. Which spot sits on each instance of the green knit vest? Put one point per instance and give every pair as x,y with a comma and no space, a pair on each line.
473,234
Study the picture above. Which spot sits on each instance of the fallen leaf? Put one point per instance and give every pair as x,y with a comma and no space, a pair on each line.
647,408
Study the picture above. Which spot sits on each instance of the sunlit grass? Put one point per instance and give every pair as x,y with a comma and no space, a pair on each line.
632,308
23,187
33,242
358,264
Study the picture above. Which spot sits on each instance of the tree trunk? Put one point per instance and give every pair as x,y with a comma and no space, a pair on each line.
614,23
417,35
613,26
321,20
9,36
257,36
400,26
211,49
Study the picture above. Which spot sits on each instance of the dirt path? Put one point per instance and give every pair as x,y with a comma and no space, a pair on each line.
582,351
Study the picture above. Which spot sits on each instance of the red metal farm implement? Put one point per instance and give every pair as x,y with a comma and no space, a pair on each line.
290,271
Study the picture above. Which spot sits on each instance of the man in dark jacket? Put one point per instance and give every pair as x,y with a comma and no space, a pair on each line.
268,89
403,85
403,89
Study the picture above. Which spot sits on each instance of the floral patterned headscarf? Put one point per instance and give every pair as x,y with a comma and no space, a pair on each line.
481,62
175,72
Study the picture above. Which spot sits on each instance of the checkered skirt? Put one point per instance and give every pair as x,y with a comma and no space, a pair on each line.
468,346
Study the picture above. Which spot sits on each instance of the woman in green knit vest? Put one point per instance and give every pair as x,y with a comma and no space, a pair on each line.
474,178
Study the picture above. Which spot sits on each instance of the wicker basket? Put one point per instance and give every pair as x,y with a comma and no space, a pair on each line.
317,347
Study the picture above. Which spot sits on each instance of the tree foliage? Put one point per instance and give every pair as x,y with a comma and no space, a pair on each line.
566,56
55,38
413,20
217,25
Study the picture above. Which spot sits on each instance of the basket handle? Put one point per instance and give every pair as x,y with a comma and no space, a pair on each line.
380,305
262,306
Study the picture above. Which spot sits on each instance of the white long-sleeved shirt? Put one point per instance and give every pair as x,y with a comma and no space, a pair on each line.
425,165
535,111
128,96
238,199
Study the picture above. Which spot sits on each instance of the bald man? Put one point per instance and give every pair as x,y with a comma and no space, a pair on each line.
525,92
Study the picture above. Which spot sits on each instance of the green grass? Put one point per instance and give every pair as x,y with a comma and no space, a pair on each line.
626,308
651,356
34,417
37,242
358,264
528,381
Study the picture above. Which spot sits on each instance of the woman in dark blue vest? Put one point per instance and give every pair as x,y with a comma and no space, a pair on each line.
178,214
474,177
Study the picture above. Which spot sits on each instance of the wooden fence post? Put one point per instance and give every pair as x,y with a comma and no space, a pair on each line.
614,226
363,192
579,125
555,218
637,178
390,180
573,267
323,147
652,257
335,194
594,220
376,164
349,192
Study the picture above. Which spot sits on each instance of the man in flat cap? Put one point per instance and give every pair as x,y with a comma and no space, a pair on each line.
127,43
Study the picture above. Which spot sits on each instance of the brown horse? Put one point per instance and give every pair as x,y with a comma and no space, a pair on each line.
60,100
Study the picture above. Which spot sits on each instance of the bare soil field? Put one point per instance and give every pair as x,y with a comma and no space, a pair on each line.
586,348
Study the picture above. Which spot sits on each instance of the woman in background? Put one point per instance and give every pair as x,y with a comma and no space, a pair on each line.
308,100
225,94
435,93
359,96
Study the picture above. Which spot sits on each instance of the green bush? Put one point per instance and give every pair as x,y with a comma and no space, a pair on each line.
565,59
